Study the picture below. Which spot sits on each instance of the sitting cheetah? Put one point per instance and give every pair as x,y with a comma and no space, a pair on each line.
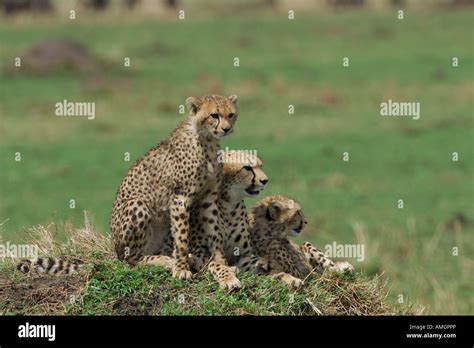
160,188
271,221
242,177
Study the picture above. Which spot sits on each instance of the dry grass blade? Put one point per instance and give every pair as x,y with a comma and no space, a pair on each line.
80,242
86,239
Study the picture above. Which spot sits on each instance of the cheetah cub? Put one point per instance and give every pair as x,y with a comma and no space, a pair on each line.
242,177
158,191
271,221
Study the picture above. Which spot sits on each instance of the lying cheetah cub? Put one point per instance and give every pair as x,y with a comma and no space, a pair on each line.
158,191
271,221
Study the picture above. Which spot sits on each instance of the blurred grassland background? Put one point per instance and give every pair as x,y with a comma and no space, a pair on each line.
282,62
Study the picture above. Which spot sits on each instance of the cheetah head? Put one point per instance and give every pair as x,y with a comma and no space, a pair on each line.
285,215
243,174
213,114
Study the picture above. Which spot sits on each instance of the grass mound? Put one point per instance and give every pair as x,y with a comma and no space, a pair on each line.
106,286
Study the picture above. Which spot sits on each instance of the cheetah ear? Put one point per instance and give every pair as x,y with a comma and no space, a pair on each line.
274,210
233,98
193,104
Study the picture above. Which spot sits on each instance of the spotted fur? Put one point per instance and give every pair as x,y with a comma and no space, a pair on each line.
241,178
158,191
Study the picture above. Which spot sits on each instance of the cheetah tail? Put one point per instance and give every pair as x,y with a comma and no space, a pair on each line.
48,265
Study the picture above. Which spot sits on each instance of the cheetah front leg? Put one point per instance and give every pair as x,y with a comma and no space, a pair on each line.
318,260
223,274
179,214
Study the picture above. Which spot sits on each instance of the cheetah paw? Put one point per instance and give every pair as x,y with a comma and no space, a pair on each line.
230,283
182,274
343,267
293,282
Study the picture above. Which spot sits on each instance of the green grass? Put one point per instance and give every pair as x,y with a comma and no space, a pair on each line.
282,62
107,286
151,290
113,288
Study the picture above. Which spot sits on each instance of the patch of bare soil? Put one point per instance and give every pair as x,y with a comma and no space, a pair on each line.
45,294
134,306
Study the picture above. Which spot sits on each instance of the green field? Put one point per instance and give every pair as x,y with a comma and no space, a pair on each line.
282,62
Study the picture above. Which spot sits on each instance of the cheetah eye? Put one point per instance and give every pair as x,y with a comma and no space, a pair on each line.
215,116
248,168
231,115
